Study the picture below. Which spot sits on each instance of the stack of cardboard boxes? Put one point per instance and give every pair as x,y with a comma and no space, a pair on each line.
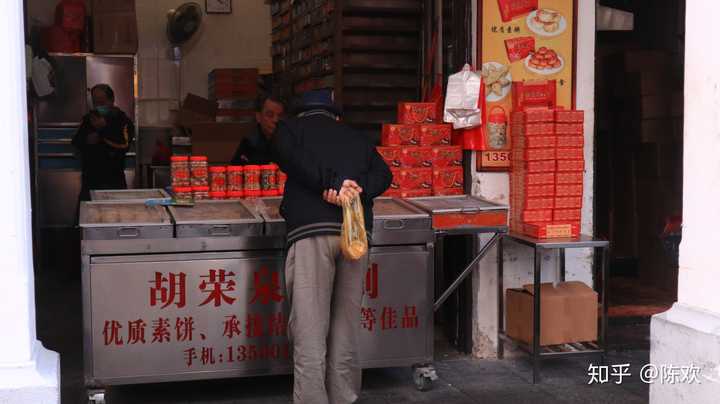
235,91
546,181
419,153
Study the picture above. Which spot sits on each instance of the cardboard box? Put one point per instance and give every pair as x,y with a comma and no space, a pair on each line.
562,215
571,141
569,178
551,230
449,177
447,156
417,112
400,135
568,313
416,157
391,154
570,166
435,134
114,27
218,140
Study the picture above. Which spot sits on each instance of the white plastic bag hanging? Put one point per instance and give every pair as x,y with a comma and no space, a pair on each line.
462,101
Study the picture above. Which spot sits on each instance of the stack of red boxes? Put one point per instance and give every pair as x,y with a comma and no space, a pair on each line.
546,181
419,153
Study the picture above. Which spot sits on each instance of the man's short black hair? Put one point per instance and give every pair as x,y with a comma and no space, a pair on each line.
106,89
274,97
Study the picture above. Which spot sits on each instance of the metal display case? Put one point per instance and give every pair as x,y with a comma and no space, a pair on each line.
216,219
139,195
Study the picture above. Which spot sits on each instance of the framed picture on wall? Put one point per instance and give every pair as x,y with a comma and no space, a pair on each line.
218,6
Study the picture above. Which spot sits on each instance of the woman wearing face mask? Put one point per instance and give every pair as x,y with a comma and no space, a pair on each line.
101,142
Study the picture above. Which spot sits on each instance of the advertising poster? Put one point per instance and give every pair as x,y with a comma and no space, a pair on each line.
521,40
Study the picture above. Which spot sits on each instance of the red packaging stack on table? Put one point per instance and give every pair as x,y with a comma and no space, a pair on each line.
419,153
546,180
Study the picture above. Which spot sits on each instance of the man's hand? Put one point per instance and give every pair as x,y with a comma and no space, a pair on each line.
97,122
350,189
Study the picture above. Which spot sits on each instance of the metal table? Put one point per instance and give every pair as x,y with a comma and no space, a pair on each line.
537,352
464,215
128,195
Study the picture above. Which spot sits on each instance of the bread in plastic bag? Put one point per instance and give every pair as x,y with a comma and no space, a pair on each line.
353,243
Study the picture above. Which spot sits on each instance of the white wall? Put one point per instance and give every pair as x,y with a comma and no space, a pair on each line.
518,260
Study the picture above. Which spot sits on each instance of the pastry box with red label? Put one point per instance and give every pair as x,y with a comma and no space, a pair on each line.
569,178
540,166
534,93
400,135
417,112
569,129
569,116
519,48
512,9
567,215
552,230
458,212
570,141
435,134
568,202
413,178
448,177
535,142
570,165
391,154
562,190
534,154
416,157
570,153
447,156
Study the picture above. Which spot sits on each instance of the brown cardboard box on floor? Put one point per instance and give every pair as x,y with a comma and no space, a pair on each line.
568,313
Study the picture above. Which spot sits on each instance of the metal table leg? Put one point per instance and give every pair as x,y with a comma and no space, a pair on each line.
500,301
604,302
562,264
536,315
468,269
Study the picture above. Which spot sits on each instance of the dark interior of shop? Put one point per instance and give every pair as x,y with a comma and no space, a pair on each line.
638,171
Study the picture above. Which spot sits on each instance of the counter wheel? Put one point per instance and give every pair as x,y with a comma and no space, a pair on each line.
96,397
423,376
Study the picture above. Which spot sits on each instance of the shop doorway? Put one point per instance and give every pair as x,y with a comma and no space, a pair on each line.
638,160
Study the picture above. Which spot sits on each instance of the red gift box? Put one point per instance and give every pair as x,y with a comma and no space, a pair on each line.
569,178
448,191
417,112
541,166
414,178
570,153
447,156
391,154
544,215
569,128
568,116
535,142
567,215
533,154
435,134
416,157
519,48
449,177
511,9
570,165
539,129
533,178
400,135
415,193
552,230
538,203
564,190
568,202
570,141
529,94
390,192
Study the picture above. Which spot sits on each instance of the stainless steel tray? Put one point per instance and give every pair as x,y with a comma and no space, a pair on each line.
216,219
455,204
397,222
139,195
269,209
124,220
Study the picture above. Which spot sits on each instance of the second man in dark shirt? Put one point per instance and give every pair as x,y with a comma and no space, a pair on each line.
254,149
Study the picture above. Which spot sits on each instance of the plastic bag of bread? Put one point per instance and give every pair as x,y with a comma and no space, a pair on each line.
353,243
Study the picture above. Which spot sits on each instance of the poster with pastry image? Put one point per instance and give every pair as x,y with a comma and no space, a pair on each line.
521,40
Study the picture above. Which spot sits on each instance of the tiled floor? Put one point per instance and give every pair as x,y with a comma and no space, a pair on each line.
462,379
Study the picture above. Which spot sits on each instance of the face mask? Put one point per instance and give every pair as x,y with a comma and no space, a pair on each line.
102,110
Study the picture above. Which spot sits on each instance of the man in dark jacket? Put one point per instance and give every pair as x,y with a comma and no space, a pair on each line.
101,142
326,163
254,149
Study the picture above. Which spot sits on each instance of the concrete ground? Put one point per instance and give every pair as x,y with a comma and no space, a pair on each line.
462,378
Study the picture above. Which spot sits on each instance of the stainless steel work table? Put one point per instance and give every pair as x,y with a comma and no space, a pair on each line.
537,352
